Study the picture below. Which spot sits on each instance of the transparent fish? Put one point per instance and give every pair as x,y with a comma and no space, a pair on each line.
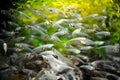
92,15
84,58
98,63
89,31
5,47
57,25
111,49
85,48
99,78
111,76
22,14
64,20
18,39
109,67
87,67
24,46
78,32
116,59
14,49
40,13
103,34
81,40
77,25
43,47
6,34
100,17
13,24
54,10
55,38
96,27
76,15
96,17
4,66
74,50
40,28
18,29
69,7
77,60
99,42
61,32
35,29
